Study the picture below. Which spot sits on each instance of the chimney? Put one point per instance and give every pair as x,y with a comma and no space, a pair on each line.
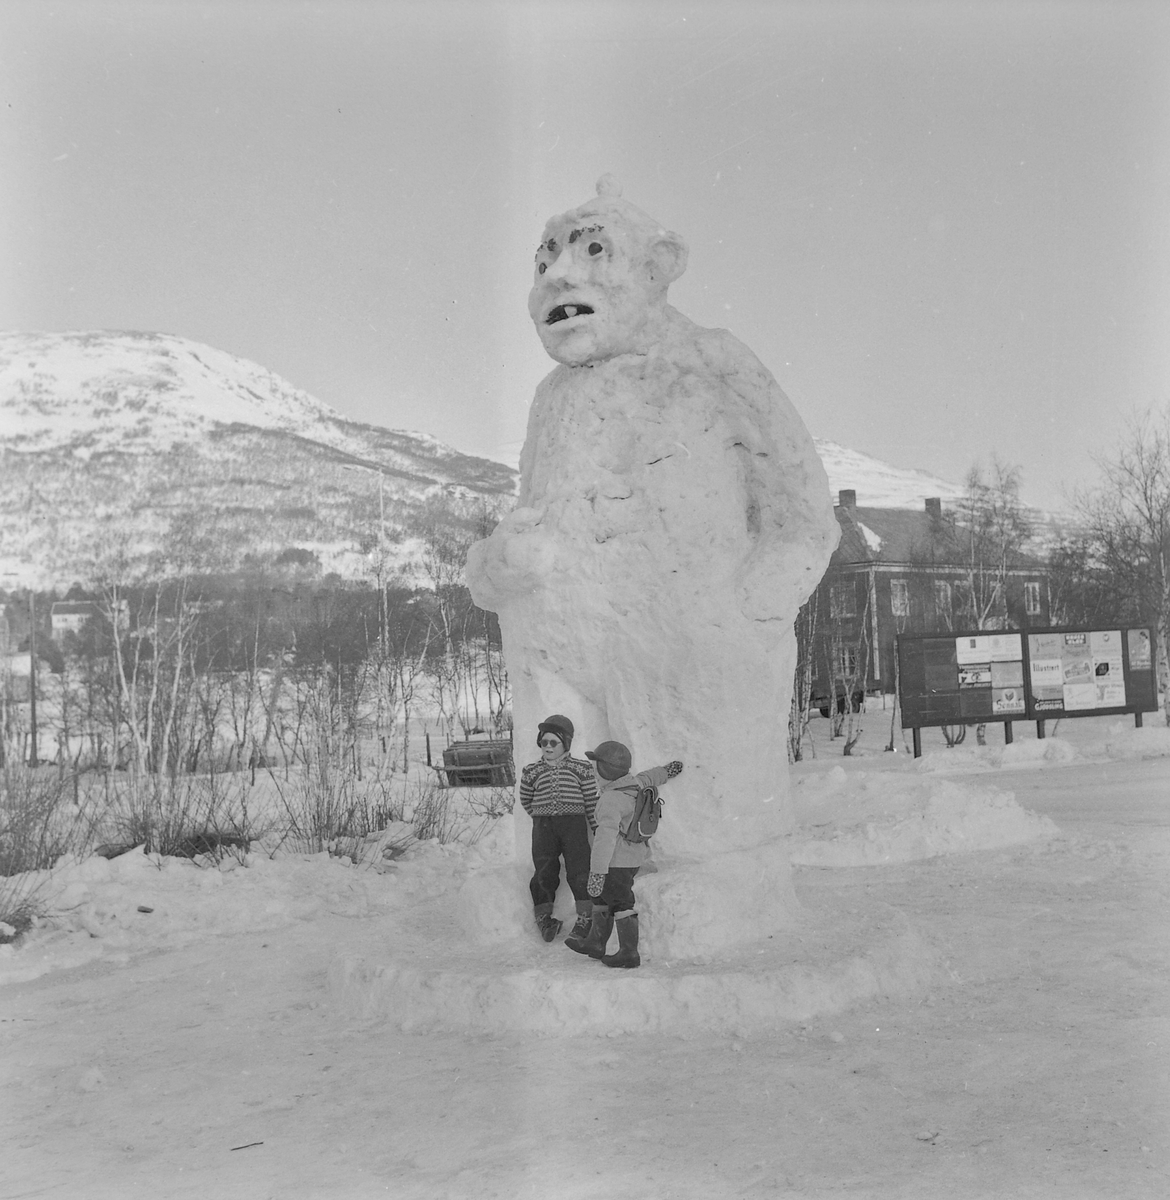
934,508
847,498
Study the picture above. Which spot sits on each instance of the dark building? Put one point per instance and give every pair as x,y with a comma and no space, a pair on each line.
900,571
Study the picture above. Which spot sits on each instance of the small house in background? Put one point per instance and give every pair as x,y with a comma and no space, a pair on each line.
903,571
71,616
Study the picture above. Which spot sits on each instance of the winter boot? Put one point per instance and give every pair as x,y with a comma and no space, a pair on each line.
548,925
601,926
627,955
584,919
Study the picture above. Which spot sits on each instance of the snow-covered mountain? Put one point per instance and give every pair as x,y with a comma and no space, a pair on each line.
878,484
115,447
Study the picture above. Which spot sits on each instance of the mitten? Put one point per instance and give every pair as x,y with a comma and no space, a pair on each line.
673,768
596,884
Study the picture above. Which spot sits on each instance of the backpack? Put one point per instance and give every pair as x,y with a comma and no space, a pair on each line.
647,813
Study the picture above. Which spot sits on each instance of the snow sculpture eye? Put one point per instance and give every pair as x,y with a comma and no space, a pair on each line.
595,248
542,267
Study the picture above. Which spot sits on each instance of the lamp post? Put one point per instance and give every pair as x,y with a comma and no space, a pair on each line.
33,759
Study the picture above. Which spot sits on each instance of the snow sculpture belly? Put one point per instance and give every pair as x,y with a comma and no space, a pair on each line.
625,579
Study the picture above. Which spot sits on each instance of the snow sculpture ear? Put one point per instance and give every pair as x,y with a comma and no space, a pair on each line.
667,258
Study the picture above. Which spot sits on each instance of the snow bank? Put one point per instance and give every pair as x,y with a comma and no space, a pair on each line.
864,818
440,936
558,992
1151,741
1053,752
1080,740
837,955
136,903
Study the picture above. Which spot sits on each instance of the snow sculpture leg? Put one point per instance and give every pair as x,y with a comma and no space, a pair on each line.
673,515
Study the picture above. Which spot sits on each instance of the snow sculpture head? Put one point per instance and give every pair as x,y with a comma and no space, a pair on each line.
602,271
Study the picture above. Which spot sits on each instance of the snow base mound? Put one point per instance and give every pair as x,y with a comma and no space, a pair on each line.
869,818
835,958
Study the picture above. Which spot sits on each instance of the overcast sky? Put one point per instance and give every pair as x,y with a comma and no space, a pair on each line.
943,227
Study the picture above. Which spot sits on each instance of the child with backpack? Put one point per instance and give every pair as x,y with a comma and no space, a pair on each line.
620,849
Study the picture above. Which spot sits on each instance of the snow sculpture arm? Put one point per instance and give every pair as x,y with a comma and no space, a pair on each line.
789,510
512,561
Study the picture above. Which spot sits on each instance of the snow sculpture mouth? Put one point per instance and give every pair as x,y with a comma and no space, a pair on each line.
563,312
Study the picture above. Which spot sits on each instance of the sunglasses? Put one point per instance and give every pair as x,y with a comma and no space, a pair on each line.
549,743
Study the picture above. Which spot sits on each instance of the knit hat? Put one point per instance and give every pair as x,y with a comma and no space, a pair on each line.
556,724
613,759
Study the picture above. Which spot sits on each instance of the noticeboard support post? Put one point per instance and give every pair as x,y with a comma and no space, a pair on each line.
917,741
1007,733
1137,720
1040,734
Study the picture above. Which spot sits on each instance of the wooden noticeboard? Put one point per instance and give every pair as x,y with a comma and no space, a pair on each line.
985,676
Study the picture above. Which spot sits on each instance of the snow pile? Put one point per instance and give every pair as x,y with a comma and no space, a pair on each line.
1053,752
114,908
865,818
839,958
1120,740
439,937
1151,741
1050,751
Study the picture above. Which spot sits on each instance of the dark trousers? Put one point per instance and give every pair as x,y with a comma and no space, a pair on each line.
618,892
554,838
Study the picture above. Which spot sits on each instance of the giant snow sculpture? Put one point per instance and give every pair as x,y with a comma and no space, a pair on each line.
673,515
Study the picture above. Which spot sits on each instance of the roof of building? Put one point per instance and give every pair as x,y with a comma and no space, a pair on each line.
73,608
900,535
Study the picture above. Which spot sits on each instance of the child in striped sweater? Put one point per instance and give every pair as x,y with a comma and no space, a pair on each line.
559,793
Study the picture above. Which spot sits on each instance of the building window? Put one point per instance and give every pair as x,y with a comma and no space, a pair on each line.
1032,598
942,597
900,597
842,600
847,661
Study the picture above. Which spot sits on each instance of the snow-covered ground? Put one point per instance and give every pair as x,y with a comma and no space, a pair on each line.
973,1004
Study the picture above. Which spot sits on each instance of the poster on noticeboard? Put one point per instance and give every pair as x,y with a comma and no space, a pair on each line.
1078,671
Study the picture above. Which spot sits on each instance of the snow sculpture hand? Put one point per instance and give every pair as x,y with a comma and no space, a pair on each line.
513,560
596,884
673,768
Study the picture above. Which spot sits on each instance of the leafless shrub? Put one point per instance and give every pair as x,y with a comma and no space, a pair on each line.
38,822
20,906
184,816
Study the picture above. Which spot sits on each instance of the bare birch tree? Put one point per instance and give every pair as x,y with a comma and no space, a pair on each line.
1127,524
